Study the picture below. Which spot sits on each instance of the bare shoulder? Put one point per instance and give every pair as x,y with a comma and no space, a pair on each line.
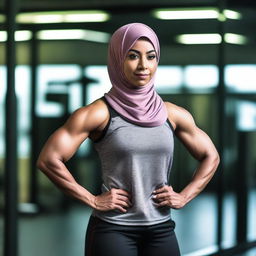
179,116
88,118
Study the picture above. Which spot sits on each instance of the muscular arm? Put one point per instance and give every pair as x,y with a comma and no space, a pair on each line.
61,146
64,142
200,147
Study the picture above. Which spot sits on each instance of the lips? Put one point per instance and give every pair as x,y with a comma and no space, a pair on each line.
142,76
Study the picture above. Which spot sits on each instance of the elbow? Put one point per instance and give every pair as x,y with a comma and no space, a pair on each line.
48,164
216,160
212,159
41,165
44,164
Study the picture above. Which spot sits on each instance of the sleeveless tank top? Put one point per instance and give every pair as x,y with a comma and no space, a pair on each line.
137,159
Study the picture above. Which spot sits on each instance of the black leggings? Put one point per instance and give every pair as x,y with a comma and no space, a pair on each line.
106,239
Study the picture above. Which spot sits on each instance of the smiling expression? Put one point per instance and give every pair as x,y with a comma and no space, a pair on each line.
140,63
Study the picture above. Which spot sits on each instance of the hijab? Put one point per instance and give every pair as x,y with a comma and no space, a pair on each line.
140,105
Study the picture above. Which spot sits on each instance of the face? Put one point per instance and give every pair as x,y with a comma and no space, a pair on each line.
140,63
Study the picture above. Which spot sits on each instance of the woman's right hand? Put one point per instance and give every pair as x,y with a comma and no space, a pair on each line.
115,199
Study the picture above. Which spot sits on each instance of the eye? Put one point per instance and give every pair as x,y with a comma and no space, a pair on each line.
133,56
151,56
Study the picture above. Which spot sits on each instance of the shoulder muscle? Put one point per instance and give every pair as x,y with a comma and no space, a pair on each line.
88,118
180,117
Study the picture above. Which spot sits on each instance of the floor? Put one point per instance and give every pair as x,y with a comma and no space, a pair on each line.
62,234
251,252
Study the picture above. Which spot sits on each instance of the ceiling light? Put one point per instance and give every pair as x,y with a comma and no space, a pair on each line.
39,18
60,34
213,38
235,38
96,36
73,34
232,15
63,17
87,17
193,13
199,39
20,35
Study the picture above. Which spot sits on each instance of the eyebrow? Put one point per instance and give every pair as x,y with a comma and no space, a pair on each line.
139,51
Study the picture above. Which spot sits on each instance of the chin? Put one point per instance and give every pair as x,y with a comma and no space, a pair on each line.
141,83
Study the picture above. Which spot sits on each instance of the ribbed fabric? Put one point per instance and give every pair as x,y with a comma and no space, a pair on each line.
137,159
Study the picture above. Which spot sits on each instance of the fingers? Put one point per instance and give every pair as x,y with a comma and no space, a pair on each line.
165,196
161,195
125,199
115,199
168,203
121,209
172,204
121,192
121,195
123,205
163,192
163,203
163,189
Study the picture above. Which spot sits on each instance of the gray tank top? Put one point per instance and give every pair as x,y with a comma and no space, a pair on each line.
137,159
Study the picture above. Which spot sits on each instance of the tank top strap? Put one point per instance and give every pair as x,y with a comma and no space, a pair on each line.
112,112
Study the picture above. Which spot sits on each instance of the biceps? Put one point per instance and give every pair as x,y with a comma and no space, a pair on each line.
62,145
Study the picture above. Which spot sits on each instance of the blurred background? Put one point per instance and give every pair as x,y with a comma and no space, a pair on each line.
57,52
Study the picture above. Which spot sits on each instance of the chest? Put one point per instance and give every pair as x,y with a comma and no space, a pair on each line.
123,137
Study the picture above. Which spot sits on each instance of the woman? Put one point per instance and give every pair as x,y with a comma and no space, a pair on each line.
132,130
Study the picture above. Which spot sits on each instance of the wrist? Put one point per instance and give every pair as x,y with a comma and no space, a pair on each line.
93,203
185,197
89,199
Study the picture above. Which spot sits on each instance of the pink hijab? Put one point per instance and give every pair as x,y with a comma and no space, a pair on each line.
139,105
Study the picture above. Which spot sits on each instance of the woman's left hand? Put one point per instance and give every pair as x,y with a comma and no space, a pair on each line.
165,196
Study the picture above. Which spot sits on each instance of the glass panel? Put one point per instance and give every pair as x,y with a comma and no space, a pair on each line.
240,74
241,78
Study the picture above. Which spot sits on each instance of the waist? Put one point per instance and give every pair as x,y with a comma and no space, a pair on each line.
142,212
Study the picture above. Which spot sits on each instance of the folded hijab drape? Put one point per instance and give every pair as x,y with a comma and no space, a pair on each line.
140,105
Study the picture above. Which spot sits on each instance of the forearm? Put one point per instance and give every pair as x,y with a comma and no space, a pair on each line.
58,173
201,178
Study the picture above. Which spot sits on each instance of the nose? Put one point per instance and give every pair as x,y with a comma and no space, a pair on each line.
143,63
